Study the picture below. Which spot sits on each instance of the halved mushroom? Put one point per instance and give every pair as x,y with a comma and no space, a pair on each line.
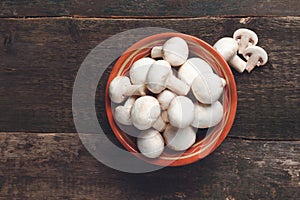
245,38
179,139
145,112
209,88
191,68
160,77
181,112
228,47
255,56
207,115
175,51
150,143
120,88
122,113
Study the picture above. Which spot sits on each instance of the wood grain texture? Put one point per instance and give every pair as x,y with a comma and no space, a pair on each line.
40,59
150,8
57,166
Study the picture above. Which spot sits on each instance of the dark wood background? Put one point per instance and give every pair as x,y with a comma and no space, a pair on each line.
42,44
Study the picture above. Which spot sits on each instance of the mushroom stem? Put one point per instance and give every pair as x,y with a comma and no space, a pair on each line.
156,52
159,124
243,44
177,86
135,90
164,116
237,63
129,102
252,62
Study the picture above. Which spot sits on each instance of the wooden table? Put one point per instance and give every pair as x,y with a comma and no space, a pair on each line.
43,43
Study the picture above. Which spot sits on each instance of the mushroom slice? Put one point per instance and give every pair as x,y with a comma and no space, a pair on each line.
175,51
255,56
207,115
191,68
245,38
179,139
150,143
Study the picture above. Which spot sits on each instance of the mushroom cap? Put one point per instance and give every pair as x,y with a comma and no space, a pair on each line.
164,98
253,39
144,112
181,112
150,143
227,47
256,51
157,76
191,68
139,70
117,88
122,113
175,51
208,88
179,139
207,115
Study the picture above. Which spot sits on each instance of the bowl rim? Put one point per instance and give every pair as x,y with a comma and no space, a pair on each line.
119,68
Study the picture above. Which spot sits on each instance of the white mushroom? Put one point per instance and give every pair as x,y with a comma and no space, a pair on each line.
122,113
245,38
228,47
150,143
175,51
191,68
139,69
181,112
160,77
209,88
120,87
255,56
207,115
159,124
145,112
164,98
179,139
156,52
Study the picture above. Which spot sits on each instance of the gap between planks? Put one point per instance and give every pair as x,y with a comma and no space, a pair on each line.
229,136
145,17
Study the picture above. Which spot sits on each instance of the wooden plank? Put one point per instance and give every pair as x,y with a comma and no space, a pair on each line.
40,59
151,8
56,166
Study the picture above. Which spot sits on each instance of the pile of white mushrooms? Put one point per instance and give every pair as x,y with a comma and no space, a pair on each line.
244,43
159,102
167,97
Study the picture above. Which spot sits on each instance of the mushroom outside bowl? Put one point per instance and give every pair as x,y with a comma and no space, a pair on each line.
206,142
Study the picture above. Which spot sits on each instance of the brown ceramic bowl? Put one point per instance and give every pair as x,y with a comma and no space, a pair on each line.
206,143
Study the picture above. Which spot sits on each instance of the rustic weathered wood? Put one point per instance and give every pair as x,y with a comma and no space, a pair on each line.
57,166
40,58
151,8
